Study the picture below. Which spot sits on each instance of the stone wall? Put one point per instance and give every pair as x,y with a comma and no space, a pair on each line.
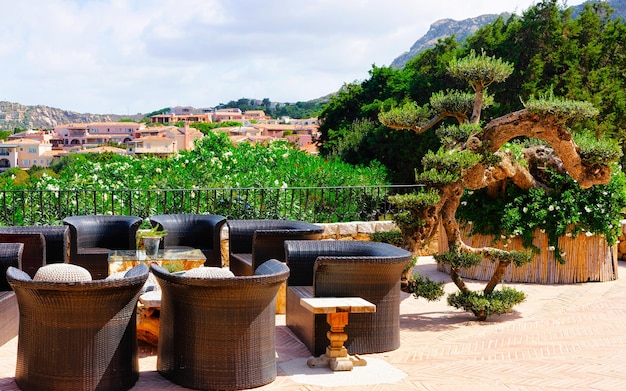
357,230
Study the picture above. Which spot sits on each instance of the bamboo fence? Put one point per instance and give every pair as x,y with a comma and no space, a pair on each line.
587,258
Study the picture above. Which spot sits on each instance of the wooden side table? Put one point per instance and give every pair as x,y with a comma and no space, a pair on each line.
337,310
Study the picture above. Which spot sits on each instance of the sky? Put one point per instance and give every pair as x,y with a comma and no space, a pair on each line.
136,56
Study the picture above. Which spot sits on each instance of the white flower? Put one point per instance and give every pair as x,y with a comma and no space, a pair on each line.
589,233
587,209
524,209
463,203
551,248
276,182
551,208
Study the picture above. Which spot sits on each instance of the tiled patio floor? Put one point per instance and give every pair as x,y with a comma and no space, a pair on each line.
564,337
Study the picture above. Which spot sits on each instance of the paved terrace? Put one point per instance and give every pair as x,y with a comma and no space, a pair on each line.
564,337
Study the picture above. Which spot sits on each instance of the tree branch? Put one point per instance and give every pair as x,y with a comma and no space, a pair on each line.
521,123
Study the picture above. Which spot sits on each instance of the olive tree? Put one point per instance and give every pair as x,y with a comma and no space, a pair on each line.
472,157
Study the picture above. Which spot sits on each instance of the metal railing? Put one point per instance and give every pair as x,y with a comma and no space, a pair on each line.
312,204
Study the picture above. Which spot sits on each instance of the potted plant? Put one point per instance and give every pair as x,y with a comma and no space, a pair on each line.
149,237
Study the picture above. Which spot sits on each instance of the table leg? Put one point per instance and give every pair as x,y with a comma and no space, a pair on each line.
336,356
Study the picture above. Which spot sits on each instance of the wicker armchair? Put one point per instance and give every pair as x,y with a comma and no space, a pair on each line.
198,231
42,244
219,333
252,242
92,236
10,256
77,335
332,268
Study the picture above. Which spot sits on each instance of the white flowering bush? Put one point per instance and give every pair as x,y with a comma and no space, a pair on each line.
564,210
110,181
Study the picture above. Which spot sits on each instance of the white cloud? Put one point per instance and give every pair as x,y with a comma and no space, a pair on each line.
129,56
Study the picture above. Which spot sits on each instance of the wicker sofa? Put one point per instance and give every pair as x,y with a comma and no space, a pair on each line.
42,244
92,236
219,333
330,268
10,256
252,242
198,231
69,339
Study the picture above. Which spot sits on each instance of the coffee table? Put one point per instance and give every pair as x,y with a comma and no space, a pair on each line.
172,259
337,310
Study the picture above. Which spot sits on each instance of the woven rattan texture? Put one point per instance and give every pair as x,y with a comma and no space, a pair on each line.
198,231
219,333
77,336
333,268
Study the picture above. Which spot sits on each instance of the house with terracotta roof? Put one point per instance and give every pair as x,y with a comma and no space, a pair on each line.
85,135
25,153
184,137
154,145
229,114
255,115
174,118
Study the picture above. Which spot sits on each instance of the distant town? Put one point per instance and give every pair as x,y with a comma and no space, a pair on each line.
164,135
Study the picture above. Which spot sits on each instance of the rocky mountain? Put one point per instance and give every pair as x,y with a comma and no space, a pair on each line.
444,28
15,115
461,29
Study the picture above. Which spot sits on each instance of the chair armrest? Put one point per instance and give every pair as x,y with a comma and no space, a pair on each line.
10,256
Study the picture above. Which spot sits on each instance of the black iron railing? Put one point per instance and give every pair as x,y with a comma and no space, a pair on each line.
313,204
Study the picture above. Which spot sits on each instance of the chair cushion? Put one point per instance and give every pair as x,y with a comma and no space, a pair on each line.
209,272
62,272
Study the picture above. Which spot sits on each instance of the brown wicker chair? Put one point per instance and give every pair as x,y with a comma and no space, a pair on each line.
330,268
10,256
92,236
77,335
219,333
198,231
252,242
43,244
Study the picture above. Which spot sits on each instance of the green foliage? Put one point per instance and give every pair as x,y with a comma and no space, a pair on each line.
560,108
417,200
597,151
567,209
454,134
393,237
482,305
459,259
454,162
517,258
452,101
437,178
216,164
4,134
423,286
481,70
15,178
276,110
408,116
